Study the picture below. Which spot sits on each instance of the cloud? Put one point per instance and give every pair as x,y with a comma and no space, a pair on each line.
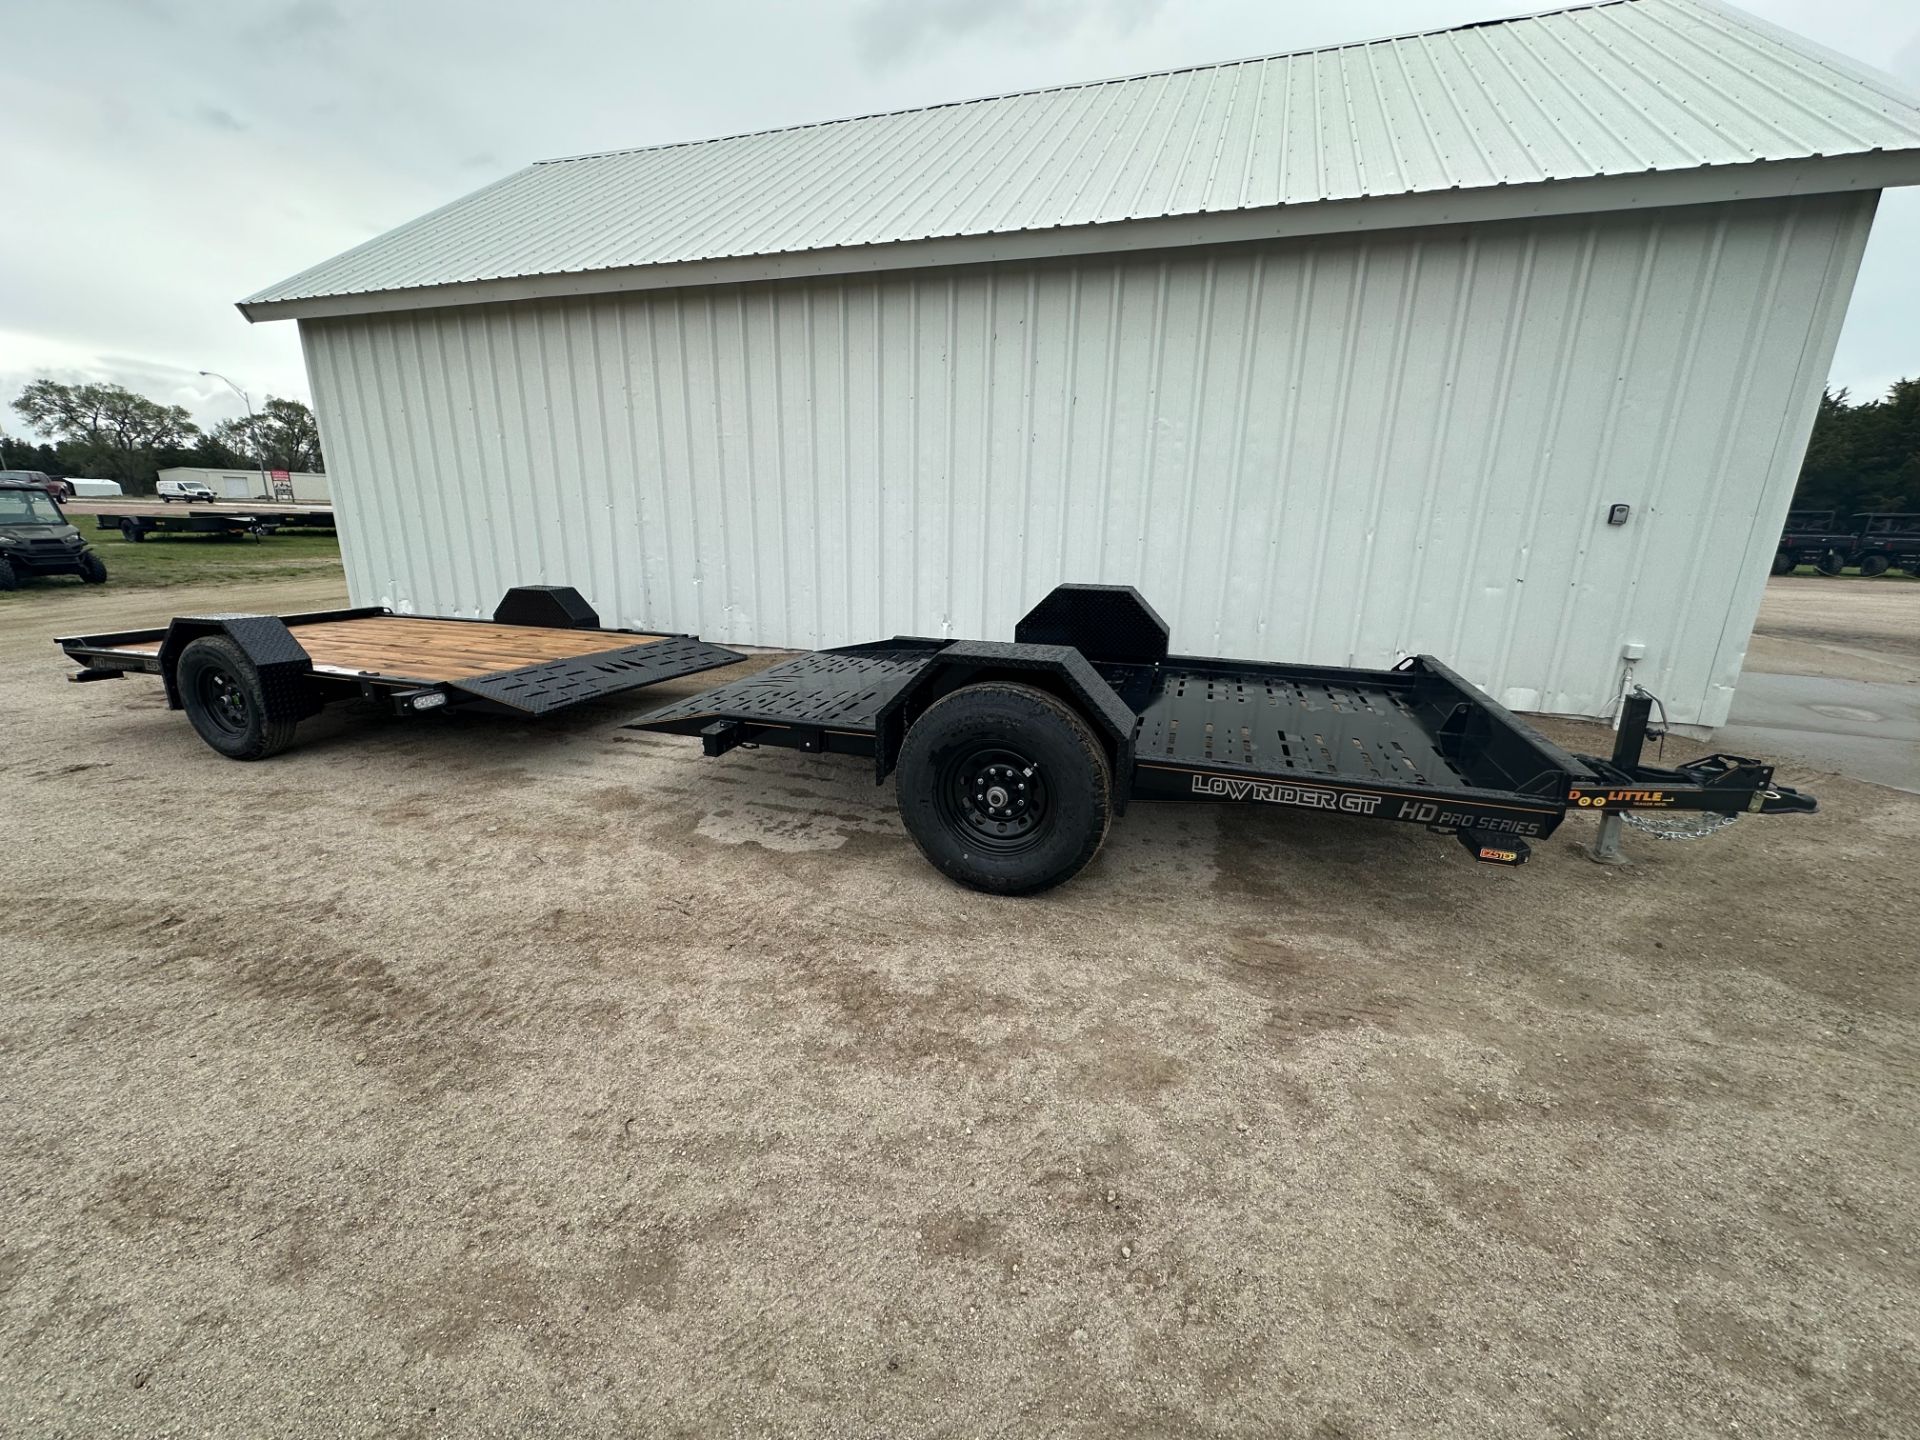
206,399
302,20
894,30
220,119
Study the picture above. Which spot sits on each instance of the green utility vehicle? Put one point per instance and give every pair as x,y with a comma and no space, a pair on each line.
35,538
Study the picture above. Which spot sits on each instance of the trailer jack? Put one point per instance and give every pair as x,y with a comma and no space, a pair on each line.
1684,802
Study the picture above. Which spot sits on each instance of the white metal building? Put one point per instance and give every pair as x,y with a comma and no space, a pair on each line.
1338,356
309,487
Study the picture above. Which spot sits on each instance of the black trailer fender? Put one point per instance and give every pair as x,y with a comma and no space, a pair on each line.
1103,622
1058,669
285,667
555,607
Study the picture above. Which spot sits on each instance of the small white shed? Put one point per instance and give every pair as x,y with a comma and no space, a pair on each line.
1500,343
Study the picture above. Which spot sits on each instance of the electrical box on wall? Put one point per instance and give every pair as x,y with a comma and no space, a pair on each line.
1617,514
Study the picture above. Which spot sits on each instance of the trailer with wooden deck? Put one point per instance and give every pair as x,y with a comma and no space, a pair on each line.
1012,759
246,681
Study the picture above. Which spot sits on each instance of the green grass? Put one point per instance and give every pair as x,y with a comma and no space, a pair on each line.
1852,573
159,561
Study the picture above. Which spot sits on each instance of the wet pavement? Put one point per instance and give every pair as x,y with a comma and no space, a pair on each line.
1869,730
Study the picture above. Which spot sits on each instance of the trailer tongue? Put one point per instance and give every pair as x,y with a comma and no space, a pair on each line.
1013,758
246,681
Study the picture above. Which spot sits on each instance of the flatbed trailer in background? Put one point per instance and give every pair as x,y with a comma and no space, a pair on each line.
246,681
1013,758
138,521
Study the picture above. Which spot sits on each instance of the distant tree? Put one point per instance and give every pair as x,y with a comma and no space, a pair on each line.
1864,456
18,454
106,430
281,435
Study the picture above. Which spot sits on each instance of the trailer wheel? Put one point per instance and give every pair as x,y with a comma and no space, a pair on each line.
1871,565
223,697
1004,788
1783,563
93,569
132,530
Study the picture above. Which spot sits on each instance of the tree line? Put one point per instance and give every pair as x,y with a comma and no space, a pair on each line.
1863,456
112,433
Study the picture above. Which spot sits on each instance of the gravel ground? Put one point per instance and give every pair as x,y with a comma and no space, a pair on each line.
1840,629
464,1078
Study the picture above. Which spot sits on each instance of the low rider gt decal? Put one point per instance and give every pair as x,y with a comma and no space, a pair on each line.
1310,797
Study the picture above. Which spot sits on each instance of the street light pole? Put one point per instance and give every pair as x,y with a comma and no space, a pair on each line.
259,450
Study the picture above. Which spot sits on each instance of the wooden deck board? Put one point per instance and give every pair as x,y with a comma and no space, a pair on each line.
438,650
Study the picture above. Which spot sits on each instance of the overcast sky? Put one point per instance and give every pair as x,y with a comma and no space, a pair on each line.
170,156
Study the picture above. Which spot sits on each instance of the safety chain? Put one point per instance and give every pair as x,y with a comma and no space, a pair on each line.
1688,825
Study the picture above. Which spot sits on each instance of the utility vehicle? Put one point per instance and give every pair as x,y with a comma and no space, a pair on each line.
35,538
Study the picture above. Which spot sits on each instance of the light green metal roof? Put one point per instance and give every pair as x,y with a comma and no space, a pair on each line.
1620,88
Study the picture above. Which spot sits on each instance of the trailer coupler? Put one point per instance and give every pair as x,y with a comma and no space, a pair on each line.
1785,800
1494,849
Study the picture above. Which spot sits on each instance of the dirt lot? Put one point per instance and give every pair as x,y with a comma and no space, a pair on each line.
1845,629
462,1078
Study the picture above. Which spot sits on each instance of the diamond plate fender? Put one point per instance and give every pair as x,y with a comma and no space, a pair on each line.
558,607
1102,622
1057,668
284,666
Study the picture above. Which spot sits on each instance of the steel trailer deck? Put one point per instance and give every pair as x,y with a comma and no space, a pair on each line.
1354,741
543,651
1416,744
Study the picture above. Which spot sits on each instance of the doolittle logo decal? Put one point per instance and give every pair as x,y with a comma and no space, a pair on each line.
1311,797
1621,797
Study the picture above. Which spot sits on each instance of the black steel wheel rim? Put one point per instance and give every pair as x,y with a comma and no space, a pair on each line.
995,798
222,700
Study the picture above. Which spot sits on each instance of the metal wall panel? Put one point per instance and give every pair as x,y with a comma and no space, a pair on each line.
1335,450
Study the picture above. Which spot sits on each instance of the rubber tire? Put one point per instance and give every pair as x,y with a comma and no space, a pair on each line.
1783,564
93,569
1831,563
1871,565
260,737
9,580
1080,785
135,533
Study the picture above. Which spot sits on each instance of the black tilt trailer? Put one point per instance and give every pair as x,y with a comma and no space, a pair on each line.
246,681
1013,758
